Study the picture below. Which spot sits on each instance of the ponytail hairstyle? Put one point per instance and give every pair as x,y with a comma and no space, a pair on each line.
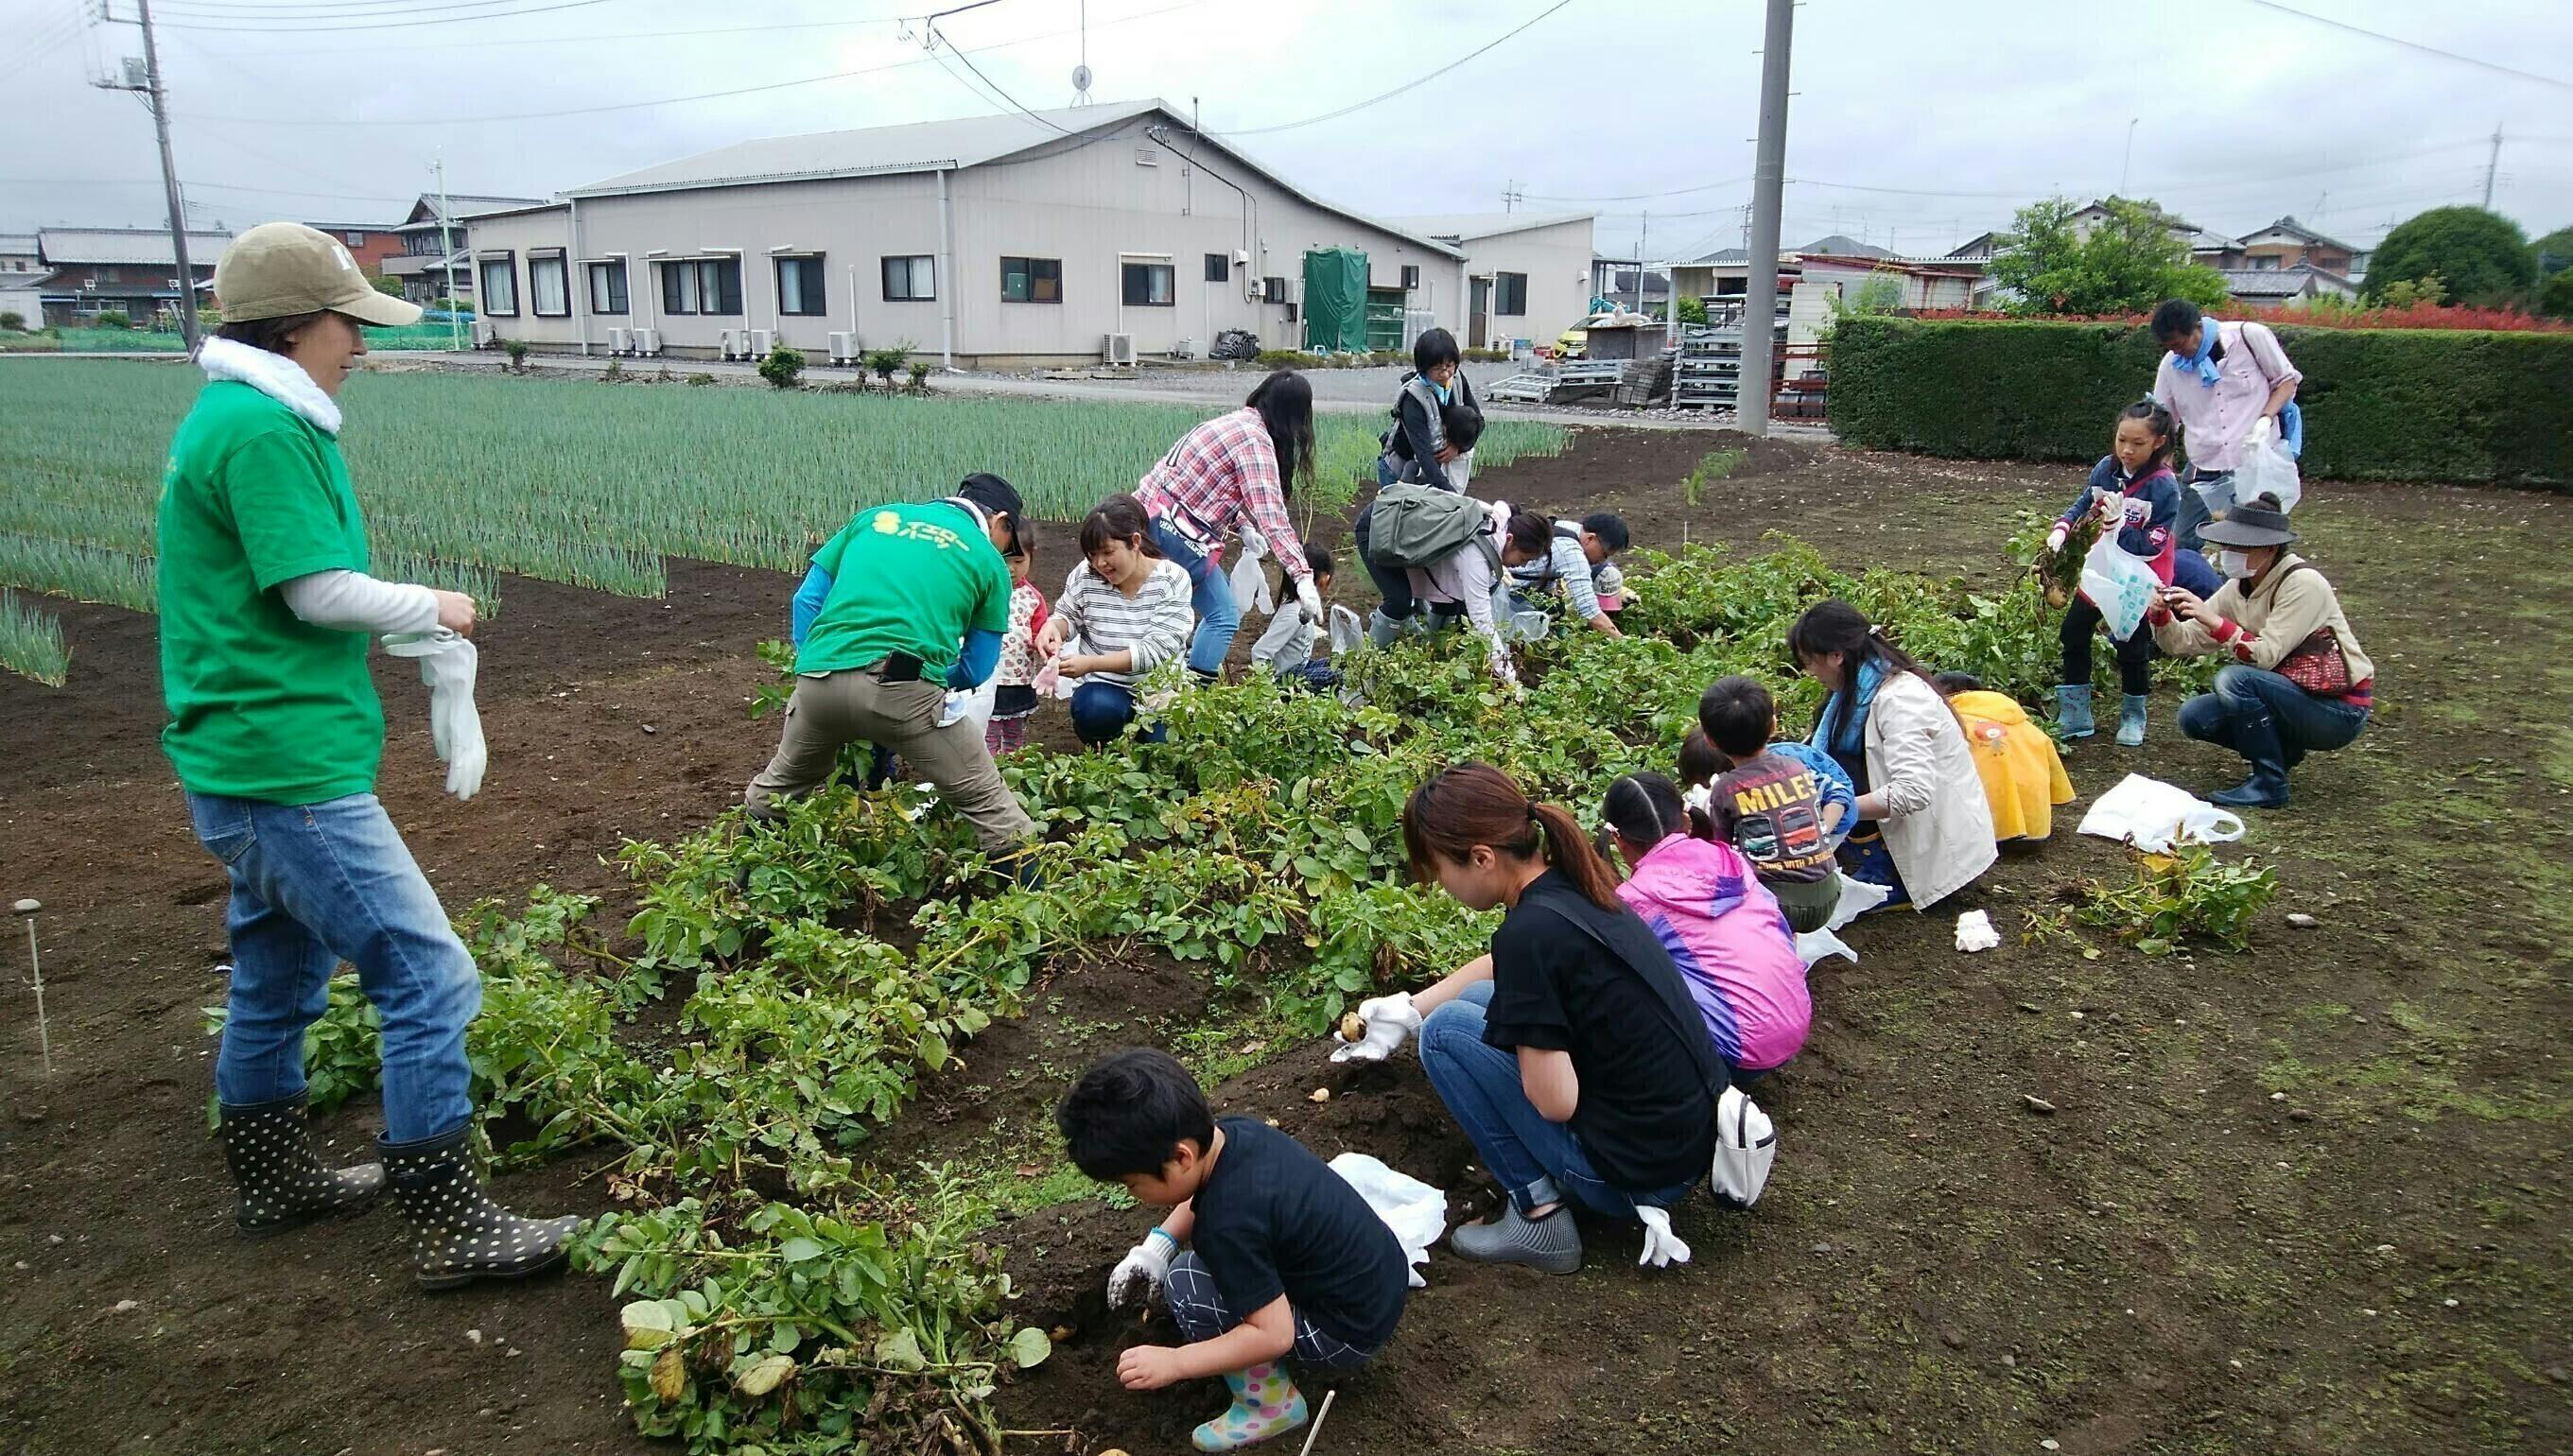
1836,626
1284,401
2158,420
1531,531
1644,809
1120,518
1477,804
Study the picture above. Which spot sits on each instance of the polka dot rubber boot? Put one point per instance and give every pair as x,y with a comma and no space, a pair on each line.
457,1233
1264,1403
269,1149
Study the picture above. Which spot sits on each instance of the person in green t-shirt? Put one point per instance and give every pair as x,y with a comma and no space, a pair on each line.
275,731
905,603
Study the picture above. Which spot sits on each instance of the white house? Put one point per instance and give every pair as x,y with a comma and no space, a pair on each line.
1011,239
1527,275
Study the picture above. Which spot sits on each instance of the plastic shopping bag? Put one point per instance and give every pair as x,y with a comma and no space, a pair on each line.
971,706
1346,630
2266,468
2153,816
1416,1211
2119,584
1857,897
1250,580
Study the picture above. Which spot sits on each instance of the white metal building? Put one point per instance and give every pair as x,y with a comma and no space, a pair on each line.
1527,274
1007,238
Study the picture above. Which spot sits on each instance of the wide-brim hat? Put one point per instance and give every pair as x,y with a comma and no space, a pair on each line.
282,270
2248,525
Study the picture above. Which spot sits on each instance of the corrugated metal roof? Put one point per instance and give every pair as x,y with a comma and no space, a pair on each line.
17,242
71,246
1467,227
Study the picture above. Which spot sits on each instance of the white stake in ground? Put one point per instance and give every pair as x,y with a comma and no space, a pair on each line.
26,909
1319,1416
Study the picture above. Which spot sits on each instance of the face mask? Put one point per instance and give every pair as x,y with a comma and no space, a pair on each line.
2233,564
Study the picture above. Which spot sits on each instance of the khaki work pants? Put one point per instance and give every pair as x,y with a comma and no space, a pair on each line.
836,709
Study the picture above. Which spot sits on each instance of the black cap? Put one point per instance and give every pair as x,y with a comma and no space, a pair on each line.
2255,522
996,495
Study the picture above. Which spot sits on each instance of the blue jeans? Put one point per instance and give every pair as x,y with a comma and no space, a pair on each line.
2269,720
1218,615
314,885
2195,512
1536,1161
1102,711
1198,1308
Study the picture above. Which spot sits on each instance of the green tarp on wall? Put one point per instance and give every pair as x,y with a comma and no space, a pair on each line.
1336,288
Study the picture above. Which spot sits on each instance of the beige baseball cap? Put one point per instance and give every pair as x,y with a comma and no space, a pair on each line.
279,270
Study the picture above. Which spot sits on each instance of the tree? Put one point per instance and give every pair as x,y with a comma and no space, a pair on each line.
783,369
390,286
2554,251
2410,292
2555,300
2131,262
2480,258
1692,310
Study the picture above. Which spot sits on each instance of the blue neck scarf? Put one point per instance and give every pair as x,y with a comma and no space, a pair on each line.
2204,362
1443,393
1841,729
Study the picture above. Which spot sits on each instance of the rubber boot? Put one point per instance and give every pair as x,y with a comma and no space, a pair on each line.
1552,1244
2072,711
268,1148
1382,630
457,1233
1266,1403
2131,720
2257,739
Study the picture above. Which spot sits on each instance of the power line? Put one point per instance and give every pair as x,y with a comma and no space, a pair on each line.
193,187
335,10
1639,196
390,24
2411,45
1397,91
517,43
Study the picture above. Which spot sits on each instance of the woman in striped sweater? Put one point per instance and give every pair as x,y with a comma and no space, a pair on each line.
1123,611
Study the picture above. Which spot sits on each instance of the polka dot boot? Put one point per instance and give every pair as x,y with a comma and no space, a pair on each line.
1264,1403
457,1233
269,1149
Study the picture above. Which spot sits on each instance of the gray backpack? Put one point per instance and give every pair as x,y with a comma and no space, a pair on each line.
1417,525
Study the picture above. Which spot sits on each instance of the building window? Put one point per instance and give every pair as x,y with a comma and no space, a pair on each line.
1273,290
912,278
1149,284
1509,293
549,286
1032,280
718,284
608,287
354,239
1218,267
799,287
1410,276
499,281
678,287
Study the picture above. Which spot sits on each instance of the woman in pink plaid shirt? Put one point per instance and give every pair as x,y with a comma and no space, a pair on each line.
1237,464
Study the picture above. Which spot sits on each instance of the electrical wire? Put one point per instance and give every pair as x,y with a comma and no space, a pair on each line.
2412,45
192,186
1638,196
565,40
388,25
1399,90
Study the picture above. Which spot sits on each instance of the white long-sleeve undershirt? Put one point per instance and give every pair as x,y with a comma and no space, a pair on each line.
352,602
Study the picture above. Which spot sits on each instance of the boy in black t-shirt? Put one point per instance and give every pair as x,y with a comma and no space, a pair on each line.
1284,1256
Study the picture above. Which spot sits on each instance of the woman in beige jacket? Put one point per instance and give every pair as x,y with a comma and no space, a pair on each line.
2296,680
1925,828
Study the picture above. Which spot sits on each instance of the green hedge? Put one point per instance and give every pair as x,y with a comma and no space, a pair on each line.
2449,406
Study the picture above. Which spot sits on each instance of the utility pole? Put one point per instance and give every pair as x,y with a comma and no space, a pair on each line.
159,97
447,253
2129,160
2491,165
1752,392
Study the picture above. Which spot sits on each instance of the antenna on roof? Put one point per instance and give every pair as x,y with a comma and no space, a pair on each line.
1080,73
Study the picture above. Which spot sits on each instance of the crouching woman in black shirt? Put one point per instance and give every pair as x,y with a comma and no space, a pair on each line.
1571,1055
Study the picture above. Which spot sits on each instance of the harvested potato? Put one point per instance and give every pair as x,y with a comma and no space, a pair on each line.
1353,1027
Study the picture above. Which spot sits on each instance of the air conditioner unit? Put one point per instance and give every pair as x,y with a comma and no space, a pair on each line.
619,340
729,342
1118,348
648,342
844,347
761,340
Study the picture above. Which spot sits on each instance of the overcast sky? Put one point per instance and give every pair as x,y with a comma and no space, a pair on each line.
1914,126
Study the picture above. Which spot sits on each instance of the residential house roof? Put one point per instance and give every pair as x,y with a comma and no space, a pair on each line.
935,145
1981,246
2297,230
1468,226
461,206
17,242
1841,245
2284,283
97,246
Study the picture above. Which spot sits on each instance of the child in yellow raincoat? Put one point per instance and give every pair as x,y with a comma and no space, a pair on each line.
2023,774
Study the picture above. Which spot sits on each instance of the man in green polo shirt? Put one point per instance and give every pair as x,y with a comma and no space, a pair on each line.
906,602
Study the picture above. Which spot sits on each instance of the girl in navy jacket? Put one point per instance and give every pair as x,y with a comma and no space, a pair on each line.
2134,492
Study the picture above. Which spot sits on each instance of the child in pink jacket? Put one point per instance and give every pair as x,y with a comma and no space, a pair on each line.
1720,924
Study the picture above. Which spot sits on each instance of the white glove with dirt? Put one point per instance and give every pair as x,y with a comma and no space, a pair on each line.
1138,1276
1310,597
1388,1020
1662,1248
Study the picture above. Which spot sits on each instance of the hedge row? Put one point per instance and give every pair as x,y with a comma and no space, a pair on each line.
2445,406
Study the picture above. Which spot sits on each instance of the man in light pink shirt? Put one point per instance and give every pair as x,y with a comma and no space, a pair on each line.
2217,379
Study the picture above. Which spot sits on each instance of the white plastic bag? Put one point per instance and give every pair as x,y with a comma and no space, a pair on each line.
972,707
2119,584
1249,580
1857,897
1416,1211
2266,468
1346,630
2153,815
1746,1146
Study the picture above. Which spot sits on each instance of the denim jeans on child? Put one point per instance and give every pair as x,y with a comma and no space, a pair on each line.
1536,1161
1103,711
314,885
1198,1308
2267,719
1218,615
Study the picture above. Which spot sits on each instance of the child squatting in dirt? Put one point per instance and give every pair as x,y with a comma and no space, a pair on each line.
1281,1254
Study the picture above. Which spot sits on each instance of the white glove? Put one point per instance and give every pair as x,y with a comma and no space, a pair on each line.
1388,1020
953,709
1139,1276
447,666
2055,538
1662,1248
1309,596
1975,931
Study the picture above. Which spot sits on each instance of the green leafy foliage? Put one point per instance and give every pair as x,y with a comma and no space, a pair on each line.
2453,406
31,642
2479,256
2130,259
2184,896
783,369
2555,295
